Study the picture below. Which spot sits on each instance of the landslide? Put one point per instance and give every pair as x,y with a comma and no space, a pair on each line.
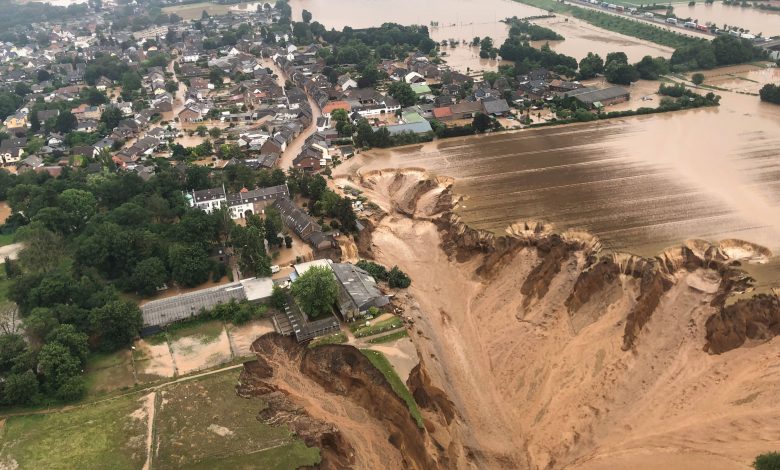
553,354
335,399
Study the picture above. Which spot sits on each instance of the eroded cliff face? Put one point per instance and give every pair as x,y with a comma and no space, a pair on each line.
538,350
319,393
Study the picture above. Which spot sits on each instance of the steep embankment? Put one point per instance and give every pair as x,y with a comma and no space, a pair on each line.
555,356
336,400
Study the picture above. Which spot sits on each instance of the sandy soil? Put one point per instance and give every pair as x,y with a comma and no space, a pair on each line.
152,361
241,337
367,435
538,387
191,353
5,211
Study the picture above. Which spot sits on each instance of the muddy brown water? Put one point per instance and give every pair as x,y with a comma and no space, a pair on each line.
753,19
641,184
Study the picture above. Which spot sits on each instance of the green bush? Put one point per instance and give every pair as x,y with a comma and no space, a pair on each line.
768,461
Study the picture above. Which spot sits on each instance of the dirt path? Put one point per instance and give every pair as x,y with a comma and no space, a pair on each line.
151,410
151,388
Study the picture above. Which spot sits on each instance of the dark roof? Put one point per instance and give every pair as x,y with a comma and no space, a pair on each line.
293,217
359,286
590,95
208,194
260,194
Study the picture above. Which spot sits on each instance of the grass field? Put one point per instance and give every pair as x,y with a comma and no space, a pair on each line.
389,338
205,332
338,338
6,239
378,327
107,372
380,362
101,436
204,424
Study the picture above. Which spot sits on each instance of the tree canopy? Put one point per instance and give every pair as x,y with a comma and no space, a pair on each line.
316,291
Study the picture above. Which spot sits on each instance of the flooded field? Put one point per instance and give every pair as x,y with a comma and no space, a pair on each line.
641,184
752,19
463,19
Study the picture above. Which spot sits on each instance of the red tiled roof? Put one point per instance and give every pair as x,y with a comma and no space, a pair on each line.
445,111
334,105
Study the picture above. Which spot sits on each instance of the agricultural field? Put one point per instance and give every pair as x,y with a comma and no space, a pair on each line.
108,435
204,424
194,11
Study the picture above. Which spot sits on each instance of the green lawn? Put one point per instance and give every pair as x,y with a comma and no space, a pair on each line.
100,436
338,338
380,362
360,330
204,331
389,338
204,424
6,239
108,372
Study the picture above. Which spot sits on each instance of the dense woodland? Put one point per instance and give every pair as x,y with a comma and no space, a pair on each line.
93,239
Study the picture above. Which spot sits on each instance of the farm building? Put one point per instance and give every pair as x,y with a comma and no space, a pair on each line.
158,313
598,98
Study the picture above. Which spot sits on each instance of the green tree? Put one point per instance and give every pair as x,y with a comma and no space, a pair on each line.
316,291
620,73
11,346
65,122
306,15
131,81
21,389
215,132
111,117
481,122
278,298
768,461
697,78
115,324
189,265
591,65
398,279
74,340
78,206
57,365
402,92
201,130
148,275
617,57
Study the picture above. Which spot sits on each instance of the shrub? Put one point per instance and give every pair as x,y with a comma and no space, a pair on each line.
768,461
697,78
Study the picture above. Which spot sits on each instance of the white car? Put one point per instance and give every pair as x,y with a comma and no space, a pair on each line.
275,269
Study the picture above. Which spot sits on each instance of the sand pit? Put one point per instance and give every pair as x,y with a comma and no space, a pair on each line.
195,352
153,361
242,336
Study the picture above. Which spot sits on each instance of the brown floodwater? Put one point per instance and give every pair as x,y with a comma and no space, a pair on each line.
641,184
464,19
753,19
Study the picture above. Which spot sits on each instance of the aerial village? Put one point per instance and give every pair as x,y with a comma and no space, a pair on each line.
226,98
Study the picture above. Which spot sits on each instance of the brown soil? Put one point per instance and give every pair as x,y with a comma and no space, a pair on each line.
545,354
335,399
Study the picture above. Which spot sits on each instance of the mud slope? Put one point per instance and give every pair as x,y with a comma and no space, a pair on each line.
336,400
554,355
